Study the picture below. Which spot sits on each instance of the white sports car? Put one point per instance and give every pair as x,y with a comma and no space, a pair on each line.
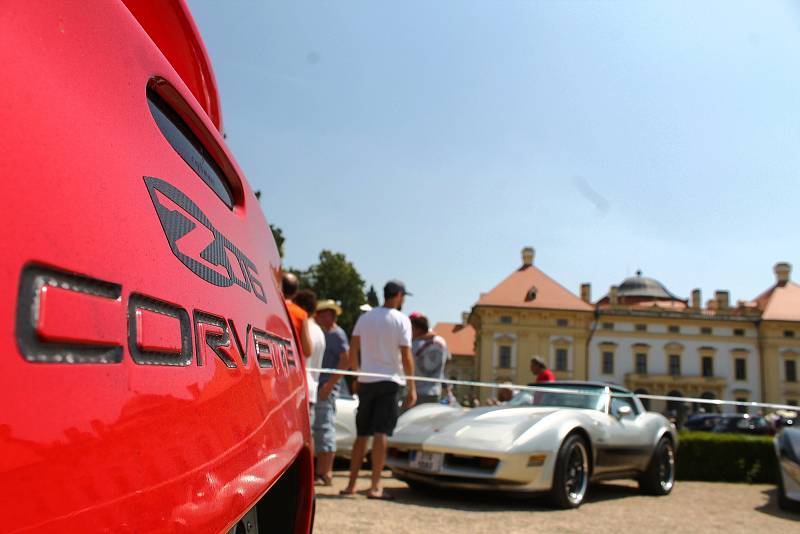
787,448
345,424
548,441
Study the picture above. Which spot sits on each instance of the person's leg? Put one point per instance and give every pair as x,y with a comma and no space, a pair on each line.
363,431
326,450
378,461
356,459
384,420
325,466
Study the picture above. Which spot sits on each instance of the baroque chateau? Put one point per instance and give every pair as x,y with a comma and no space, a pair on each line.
639,335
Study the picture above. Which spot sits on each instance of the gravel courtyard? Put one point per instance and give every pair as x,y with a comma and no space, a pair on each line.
611,507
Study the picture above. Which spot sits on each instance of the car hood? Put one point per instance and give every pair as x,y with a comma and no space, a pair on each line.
480,428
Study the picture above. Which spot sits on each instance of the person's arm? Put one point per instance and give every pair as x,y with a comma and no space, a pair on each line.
408,367
343,362
305,339
327,387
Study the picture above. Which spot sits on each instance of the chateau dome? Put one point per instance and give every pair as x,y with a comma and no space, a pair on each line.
641,287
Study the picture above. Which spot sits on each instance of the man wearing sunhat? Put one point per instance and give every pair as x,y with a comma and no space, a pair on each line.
383,336
334,357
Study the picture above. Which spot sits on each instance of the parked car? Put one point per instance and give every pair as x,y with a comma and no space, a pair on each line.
702,421
555,441
787,449
150,379
743,424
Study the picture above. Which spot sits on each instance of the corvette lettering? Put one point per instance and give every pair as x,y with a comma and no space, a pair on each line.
198,244
156,332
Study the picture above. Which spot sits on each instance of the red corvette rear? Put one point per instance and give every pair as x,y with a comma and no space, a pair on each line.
149,378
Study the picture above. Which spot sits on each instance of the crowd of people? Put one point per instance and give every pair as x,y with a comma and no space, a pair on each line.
386,343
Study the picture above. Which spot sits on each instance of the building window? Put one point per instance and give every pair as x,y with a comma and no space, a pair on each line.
562,322
674,329
607,326
706,330
788,333
504,360
561,360
641,328
674,365
738,331
608,363
741,368
505,319
708,366
641,363
741,409
791,370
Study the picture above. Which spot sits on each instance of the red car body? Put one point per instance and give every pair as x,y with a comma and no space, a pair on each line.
150,380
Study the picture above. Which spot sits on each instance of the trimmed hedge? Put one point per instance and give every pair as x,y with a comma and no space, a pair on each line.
726,458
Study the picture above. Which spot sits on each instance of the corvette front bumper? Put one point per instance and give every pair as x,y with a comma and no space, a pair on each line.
468,470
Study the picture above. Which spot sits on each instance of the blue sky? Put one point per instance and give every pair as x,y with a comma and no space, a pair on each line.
431,141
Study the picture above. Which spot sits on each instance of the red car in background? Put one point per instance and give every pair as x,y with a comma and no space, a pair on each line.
150,380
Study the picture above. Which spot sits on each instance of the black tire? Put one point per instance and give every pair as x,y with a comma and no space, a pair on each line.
659,477
571,475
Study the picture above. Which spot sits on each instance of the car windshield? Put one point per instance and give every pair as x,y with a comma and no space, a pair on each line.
591,398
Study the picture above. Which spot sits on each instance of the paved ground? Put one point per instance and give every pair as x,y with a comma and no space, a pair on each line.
612,507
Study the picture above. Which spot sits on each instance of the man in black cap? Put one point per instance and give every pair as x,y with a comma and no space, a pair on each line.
383,336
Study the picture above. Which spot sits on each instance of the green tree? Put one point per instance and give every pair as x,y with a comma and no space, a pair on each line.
372,297
334,277
277,234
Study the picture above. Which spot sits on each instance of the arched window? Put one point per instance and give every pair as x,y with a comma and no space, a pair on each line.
673,405
709,408
531,294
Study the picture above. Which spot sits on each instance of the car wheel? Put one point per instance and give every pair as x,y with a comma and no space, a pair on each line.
571,475
659,477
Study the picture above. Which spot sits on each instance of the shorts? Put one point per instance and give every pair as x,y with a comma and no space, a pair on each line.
325,425
377,408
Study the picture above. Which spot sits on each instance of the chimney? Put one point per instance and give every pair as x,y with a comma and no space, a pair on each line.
783,271
723,300
464,318
586,293
527,256
613,295
697,299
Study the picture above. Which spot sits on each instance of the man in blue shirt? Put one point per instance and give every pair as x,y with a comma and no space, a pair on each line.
334,357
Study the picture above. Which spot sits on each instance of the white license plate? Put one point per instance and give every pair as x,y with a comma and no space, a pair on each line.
426,461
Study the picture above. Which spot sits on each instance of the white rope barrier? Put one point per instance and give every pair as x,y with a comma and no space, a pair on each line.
554,389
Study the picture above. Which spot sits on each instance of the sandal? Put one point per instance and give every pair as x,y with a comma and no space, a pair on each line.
323,480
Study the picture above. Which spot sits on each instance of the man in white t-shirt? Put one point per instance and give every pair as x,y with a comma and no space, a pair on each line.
383,336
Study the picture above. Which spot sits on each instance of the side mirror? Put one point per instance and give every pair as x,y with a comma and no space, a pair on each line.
624,411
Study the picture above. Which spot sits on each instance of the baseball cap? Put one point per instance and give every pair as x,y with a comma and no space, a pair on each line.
393,287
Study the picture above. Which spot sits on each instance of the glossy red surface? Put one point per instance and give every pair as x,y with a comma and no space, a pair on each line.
169,25
123,446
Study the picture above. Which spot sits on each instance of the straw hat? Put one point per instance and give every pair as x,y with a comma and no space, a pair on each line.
329,304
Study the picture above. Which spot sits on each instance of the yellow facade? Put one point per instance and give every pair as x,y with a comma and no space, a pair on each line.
721,350
528,333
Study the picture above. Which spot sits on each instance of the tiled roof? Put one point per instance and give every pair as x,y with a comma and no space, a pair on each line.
781,302
460,338
515,289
